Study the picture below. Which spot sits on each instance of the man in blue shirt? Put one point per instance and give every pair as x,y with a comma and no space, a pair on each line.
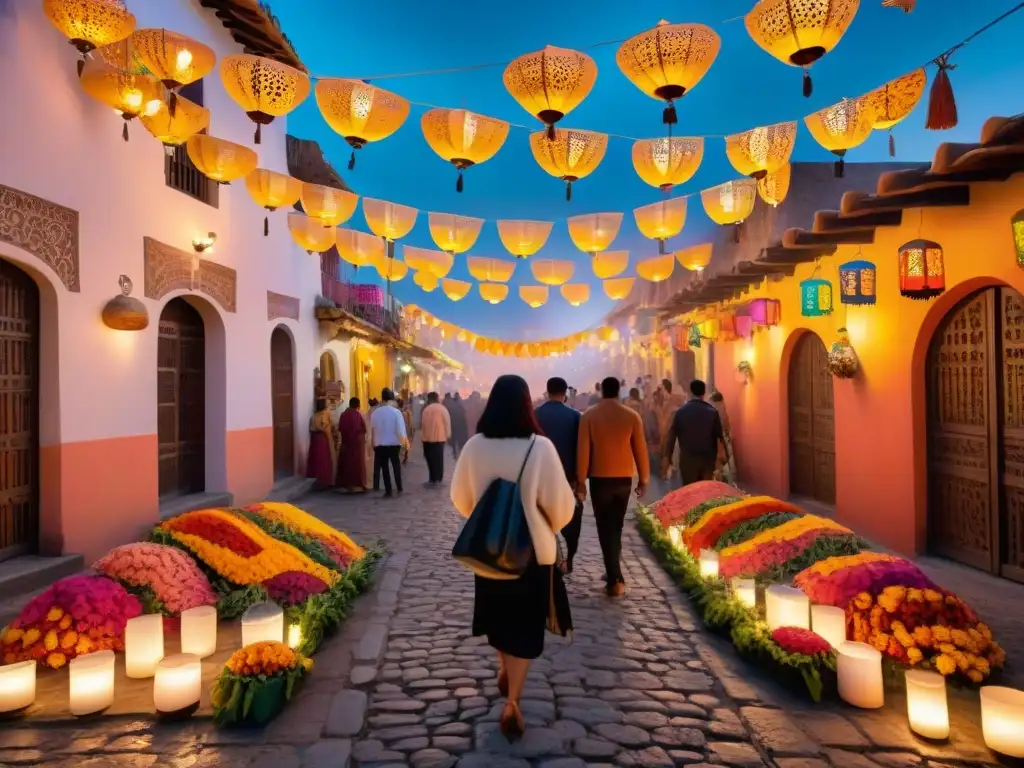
561,424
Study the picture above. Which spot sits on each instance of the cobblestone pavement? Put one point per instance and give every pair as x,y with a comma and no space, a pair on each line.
406,685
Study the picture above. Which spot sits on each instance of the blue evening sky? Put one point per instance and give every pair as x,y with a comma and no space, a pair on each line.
744,88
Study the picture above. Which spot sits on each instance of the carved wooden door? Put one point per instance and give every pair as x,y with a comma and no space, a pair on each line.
812,450
282,393
19,412
181,400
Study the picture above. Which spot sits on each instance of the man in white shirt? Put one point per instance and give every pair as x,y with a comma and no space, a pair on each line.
387,427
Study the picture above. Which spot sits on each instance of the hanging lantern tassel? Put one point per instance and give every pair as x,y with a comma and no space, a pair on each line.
352,161
81,65
458,184
124,131
892,144
736,231
941,101
808,84
259,134
669,116
266,226
172,103
568,191
551,132
840,166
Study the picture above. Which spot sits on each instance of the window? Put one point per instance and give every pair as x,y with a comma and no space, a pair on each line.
179,171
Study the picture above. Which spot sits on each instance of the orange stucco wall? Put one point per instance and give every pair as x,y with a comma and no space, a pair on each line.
881,455
250,460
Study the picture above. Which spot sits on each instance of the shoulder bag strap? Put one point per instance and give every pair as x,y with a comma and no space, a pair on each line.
525,459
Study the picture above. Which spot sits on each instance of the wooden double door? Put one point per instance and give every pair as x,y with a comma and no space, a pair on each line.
282,392
975,423
812,434
181,400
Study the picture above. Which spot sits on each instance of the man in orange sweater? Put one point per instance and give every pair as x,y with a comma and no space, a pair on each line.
611,450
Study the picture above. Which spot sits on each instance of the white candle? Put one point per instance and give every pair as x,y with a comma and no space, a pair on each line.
143,645
859,669
262,622
745,591
1002,719
709,564
199,631
786,607
829,622
17,685
927,708
178,684
294,636
92,682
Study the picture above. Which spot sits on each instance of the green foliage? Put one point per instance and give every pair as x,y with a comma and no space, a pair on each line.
147,597
234,601
748,529
694,515
252,699
307,545
824,546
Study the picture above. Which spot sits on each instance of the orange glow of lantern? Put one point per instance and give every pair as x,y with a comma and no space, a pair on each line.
619,288
552,271
576,294
550,83
774,187
90,24
391,269
696,257
359,112
220,160
760,151
174,58
271,190
493,293
842,127
172,130
594,232
731,202
894,100
454,234
524,238
309,234
263,87
436,263
127,92
359,249
661,220
456,290
922,270
534,295
389,220
657,268
490,270
569,155
328,205
665,163
425,280
463,138
609,263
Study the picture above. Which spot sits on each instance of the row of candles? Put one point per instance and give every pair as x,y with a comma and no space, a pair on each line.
177,679
859,666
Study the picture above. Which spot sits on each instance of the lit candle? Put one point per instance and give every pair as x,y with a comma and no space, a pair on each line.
143,645
745,591
294,636
92,682
262,622
17,685
829,622
1002,719
927,709
786,607
859,669
199,631
178,685
709,564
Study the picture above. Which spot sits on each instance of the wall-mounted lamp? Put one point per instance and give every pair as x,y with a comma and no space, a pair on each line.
744,372
406,369
123,312
204,244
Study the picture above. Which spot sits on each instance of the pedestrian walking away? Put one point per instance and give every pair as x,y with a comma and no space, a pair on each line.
435,431
460,425
561,424
697,428
351,474
387,426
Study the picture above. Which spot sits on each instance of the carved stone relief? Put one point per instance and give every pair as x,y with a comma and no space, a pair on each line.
44,229
280,305
169,269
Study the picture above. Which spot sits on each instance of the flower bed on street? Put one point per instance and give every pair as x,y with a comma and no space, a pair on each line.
257,683
164,579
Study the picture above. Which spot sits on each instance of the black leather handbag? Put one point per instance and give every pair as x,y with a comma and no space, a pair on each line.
495,542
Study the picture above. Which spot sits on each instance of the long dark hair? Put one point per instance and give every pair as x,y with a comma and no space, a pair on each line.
509,410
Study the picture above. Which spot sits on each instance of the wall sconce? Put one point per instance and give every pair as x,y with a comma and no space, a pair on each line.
406,369
843,362
744,372
123,312
204,244
1017,227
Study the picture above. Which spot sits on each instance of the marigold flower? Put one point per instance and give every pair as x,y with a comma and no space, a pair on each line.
915,655
30,637
915,595
881,641
982,666
863,601
985,631
975,676
945,664
50,641
54,614
13,635
932,596
65,622
56,660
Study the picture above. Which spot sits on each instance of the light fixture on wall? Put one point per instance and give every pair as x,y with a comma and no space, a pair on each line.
123,312
406,369
744,372
205,243
1017,227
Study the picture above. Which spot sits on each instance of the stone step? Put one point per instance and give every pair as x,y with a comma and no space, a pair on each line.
290,489
179,505
22,577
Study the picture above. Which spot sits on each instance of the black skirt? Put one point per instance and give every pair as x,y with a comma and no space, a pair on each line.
514,614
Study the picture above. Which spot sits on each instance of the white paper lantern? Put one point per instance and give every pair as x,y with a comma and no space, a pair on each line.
143,645
709,564
859,669
787,607
17,685
91,682
745,591
199,631
178,684
927,708
1002,719
294,636
829,622
262,622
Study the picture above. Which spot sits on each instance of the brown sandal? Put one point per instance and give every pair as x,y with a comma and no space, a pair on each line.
512,724
503,683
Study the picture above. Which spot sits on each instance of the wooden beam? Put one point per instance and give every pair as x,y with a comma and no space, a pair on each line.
779,254
802,238
958,195
830,221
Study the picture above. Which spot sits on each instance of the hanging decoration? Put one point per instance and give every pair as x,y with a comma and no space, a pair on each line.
774,187
594,232
534,295
857,282
359,112
1017,231
661,220
697,257
523,238
390,221
657,268
608,264
175,59
665,163
709,329
359,249
619,288
220,160
842,358
390,269
90,24
765,312
730,203
463,138
328,205
310,235
666,62
842,127
577,294
815,297
569,154
744,372
694,336
454,234
906,5
552,271
550,83
173,130
490,270
493,293
128,93
264,88
744,326
425,280
761,151
894,100
800,32
922,271
942,114
436,263
455,290
271,190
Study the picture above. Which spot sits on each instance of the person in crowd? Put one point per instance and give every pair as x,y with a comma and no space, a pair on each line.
562,426
513,614
698,429
726,464
447,403
322,447
410,431
623,392
674,400
418,404
595,396
611,445
653,416
474,406
634,403
460,427
435,431
351,474
372,405
387,427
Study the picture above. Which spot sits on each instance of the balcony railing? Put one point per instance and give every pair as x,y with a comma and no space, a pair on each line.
346,295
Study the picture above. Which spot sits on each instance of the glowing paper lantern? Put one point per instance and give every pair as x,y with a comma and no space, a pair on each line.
262,622
436,263
17,686
594,232
454,234
927,708
786,607
265,88
143,645
175,59
310,235
178,685
1002,719
550,83
493,293
731,202
128,93
91,682
842,127
524,238
569,155
174,129
857,283
359,112
463,138
609,263
534,295
360,250
665,163
859,669
89,24
490,270
271,190
552,271
389,220
576,294
895,100
760,151
709,563
390,268
328,205
1017,231
220,160
696,258
667,61
829,622
922,270
455,289
745,591
199,631
708,329
815,297
425,280
657,268
765,312
618,288
774,187
661,220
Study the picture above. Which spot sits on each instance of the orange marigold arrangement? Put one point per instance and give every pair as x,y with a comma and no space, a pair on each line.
266,658
256,683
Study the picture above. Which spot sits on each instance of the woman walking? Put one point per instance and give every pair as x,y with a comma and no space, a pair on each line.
513,614
351,475
726,463
323,451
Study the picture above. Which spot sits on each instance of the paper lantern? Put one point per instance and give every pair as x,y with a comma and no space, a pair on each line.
493,293
455,289
390,268
262,622
667,61
661,220
731,202
657,268
220,160
128,93
436,263
786,607
294,636
271,190
745,590
199,631
857,283
174,129
665,163
359,249
760,151
552,271
619,288
490,270
550,83
454,234
859,670
175,59
91,682
524,238
265,88
696,258
1017,231
360,112
815,297
576,294
608,264
842,127
328,205
829,622
309,234
1002,719
895,100
178,685
709,563
922,271
927,708
774,187
17,686
425,280
463,138
143,645
766,312
388,220
569,155
534,295
89,24
799,32
594,232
